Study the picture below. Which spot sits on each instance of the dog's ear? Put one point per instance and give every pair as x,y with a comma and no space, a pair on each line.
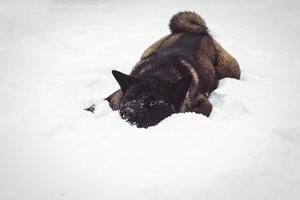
124,80
179,90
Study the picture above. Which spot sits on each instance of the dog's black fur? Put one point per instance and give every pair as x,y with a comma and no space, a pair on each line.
176,74
150,98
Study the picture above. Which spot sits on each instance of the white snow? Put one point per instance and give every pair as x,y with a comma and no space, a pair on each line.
56,58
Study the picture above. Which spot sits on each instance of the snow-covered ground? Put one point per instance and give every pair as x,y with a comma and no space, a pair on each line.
56,58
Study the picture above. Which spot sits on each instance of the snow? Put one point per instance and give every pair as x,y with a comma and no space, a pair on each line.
56,59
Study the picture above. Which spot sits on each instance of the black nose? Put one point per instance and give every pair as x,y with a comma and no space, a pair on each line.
128,113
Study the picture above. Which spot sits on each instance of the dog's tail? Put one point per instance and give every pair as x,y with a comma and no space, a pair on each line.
187,21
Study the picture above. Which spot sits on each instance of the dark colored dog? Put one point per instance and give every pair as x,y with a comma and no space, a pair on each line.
175,74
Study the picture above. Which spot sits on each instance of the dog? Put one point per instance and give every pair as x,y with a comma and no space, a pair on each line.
174,75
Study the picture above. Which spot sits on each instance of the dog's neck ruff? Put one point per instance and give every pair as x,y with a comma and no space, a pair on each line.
192,71
186,103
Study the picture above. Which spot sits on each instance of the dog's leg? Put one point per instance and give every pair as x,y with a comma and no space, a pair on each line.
201,106
226,65
205,56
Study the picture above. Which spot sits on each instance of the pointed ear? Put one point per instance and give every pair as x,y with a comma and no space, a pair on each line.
179,90
125,81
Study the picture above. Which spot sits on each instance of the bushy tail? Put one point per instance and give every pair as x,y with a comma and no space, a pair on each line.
187,21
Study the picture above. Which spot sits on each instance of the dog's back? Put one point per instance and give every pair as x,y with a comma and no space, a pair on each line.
188,29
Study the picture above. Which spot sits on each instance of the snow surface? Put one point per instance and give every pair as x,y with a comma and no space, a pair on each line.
56,58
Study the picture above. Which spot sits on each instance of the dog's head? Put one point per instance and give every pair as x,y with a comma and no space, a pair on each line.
147,101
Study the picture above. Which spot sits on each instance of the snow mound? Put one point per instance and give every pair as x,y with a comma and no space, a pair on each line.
56,59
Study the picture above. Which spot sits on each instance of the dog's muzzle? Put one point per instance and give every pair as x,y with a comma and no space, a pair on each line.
131,113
